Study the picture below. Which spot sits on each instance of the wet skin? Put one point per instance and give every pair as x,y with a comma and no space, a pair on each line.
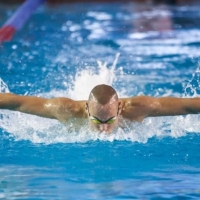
103,118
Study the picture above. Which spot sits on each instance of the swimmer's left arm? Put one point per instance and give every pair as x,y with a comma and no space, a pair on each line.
140,107
170,106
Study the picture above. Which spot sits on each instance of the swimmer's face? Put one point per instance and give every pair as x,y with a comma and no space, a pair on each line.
103,118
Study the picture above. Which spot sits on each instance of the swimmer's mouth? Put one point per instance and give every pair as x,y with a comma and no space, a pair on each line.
105,132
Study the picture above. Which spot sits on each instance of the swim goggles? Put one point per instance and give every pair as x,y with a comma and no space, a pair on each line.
95,120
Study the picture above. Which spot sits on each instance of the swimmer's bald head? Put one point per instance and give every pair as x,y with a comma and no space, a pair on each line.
103,108
103,94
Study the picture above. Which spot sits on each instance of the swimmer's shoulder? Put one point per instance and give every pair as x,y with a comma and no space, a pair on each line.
77,107
135,100
69,108
130,101
136,108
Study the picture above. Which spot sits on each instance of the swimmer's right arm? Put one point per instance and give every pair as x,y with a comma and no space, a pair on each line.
55,108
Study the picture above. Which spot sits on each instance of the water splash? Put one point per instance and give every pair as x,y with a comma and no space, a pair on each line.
3,87
40,130
88,78
192,88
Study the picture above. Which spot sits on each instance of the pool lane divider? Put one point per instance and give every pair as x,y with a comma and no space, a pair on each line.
18,19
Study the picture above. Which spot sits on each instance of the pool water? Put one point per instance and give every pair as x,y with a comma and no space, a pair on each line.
65,51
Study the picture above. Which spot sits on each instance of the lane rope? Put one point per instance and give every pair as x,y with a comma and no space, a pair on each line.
18,19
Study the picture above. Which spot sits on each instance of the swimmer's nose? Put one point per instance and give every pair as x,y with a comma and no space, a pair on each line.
103,127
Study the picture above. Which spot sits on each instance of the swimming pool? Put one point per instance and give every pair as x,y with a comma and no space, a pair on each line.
62,51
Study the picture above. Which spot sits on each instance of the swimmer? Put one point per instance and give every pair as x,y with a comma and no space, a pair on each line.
103,109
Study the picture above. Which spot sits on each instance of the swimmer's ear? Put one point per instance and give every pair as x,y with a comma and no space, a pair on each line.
119,107
86,106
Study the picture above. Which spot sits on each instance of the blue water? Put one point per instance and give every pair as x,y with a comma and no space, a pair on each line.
56,54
